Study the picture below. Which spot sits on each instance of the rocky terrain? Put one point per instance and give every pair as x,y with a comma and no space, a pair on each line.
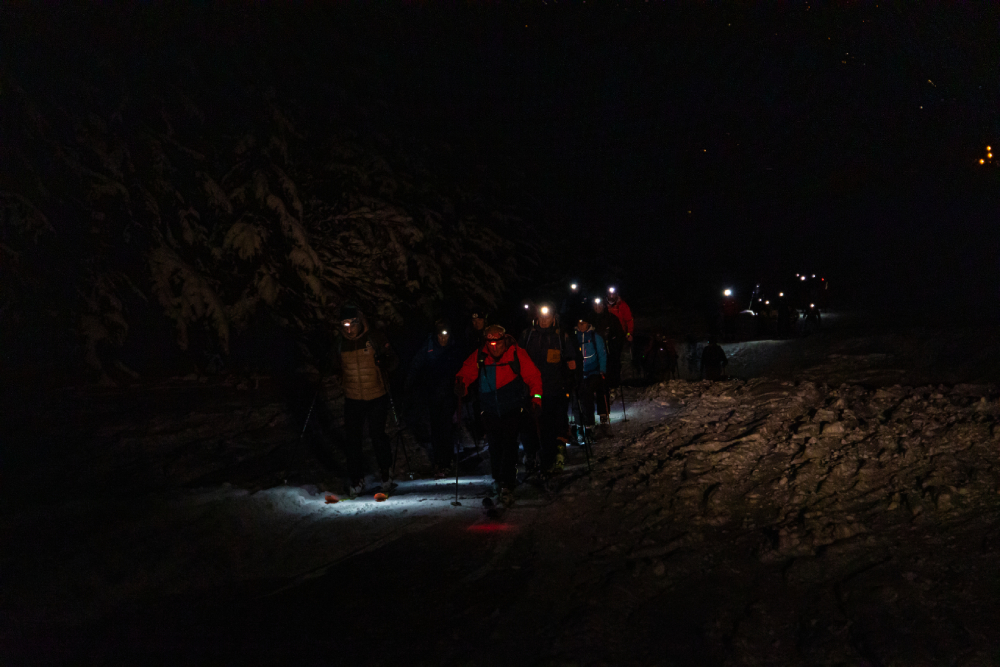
790,523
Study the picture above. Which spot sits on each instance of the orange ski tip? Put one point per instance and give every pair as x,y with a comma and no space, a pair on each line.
381,497
330,498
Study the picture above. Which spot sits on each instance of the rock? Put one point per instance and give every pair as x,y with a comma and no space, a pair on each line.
825,416
835,428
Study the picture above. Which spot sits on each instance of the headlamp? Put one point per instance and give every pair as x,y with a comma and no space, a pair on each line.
544,310
728,292
526,306
444,333
597,300
611,290
573,286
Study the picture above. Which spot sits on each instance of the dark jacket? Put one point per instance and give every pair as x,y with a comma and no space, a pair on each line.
550,349
433,369
713,360
610,329
474,339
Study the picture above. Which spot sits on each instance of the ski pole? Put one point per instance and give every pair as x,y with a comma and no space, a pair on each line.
454,454
621,388
586,441
399,427
309,414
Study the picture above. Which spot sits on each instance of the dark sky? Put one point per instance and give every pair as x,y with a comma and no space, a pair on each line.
707,145
677,150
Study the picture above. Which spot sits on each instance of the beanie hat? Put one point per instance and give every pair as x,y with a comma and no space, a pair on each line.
495,332
349,311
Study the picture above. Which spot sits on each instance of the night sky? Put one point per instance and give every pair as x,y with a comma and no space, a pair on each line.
712,145
672,150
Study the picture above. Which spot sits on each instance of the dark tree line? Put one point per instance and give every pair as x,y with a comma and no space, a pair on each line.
163,193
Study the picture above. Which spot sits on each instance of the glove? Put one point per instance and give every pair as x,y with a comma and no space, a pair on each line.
459,388
536,409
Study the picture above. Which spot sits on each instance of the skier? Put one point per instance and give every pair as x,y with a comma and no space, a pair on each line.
812,320
507,378
620,309
592,365
574,299
431,375
475,333
609,328
475,339
730,313
553,353
713,360
363,362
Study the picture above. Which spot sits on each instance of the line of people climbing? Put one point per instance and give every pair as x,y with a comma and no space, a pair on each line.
511,391
519,391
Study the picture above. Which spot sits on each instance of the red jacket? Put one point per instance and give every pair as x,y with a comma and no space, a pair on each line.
505,374
624,315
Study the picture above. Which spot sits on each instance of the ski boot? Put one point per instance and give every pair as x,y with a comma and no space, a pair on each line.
387,484
530,465
603,430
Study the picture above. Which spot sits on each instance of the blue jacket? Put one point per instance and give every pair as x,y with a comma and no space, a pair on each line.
591,349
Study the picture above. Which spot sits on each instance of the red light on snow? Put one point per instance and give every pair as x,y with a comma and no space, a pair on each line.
490,527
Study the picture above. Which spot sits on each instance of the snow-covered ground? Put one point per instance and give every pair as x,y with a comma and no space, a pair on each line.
822,513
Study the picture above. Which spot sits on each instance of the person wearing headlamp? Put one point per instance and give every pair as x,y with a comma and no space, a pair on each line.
365,358
609,327
429,381
552,351
507,379
592,364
